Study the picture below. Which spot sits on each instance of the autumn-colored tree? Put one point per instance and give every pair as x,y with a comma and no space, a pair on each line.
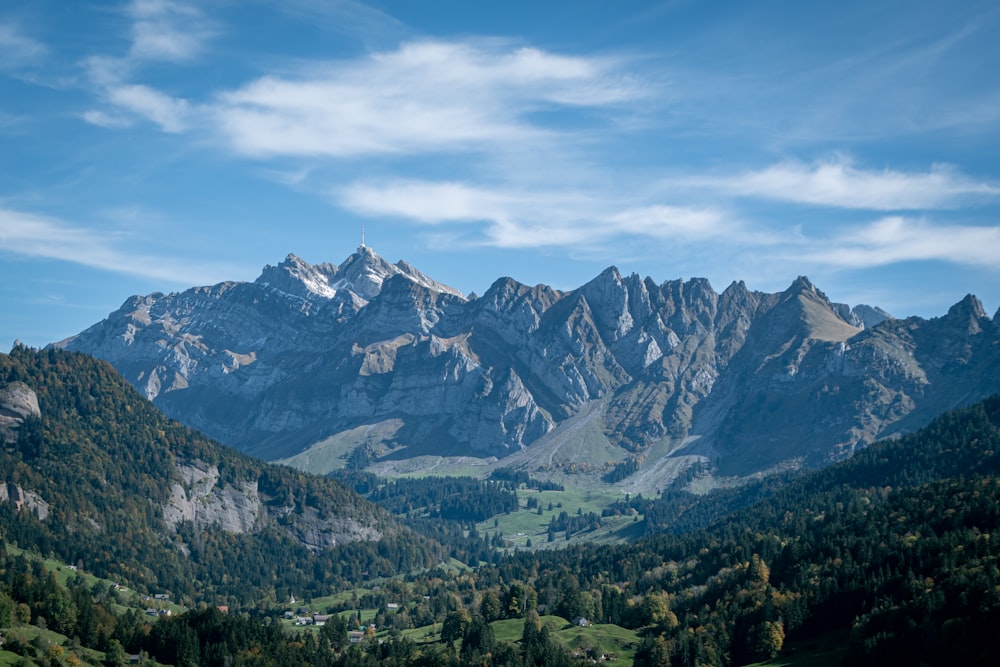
766,639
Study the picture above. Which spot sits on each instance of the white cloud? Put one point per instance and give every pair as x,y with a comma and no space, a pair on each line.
18,49
517,218
162,30
427,202
674,222
895,239
508,219
425,96
109,75
351,17
167,112
29,234
104,71
167,30
38,236
838,183
104,119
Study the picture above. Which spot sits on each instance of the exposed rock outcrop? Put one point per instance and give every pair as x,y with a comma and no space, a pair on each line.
198,500
17,403
204,500
21,499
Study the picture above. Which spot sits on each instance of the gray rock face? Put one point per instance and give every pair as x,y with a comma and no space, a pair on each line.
235,510
26,500
17,402
310,353
200,499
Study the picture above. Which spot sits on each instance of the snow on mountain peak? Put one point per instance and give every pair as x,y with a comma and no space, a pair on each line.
362,274
296,276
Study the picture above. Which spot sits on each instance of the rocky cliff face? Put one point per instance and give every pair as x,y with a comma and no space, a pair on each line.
24,500
17,403
375,353
242,508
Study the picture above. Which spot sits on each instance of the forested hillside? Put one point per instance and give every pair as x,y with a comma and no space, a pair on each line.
893,546
892,553
92,477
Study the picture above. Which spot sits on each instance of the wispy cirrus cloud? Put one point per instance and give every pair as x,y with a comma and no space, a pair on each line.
105,119
497,217
895,239
128,101
517,218
839,183
162,30
170,113
167,30
18,49
676,223
352,17
428,202
429,96
511,218
34,235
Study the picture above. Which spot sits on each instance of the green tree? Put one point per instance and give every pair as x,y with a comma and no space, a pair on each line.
335,631
759,570
532,639
654,610
7,608
490,606
766,639
478,641
23,613
454,626
115,656
654,652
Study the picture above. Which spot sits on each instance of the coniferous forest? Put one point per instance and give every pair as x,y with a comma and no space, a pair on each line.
893,551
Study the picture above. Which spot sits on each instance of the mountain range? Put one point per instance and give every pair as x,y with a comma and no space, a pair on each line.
311,364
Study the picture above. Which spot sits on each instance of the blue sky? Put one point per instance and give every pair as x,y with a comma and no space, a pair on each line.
155,145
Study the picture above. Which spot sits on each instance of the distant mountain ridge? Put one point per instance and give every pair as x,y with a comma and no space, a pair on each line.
311,360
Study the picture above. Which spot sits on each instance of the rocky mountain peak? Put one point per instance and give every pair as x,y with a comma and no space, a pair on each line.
365,271
609,299
803,286
969,310
297,276
361,275
738,296
801,313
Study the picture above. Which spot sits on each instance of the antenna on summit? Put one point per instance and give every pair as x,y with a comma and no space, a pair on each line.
363,249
